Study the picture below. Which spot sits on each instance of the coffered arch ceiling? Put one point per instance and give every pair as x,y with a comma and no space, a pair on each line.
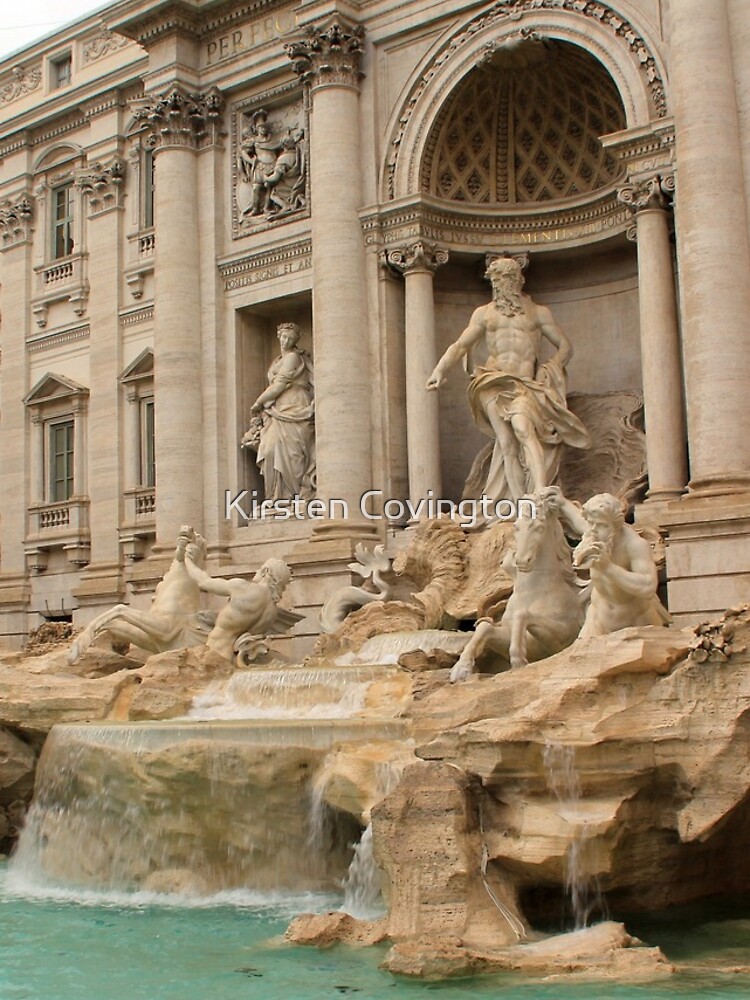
524,127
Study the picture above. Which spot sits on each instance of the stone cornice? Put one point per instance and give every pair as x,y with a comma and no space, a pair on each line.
252,268
140,314
329,54
41,341
149,26
102,103
448,224
644,151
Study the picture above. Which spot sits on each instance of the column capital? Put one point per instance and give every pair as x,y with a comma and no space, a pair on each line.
330,53
649,193
16,217
177,118
417,256
103,185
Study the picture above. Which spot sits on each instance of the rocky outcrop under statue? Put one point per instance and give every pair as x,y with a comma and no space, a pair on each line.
613,774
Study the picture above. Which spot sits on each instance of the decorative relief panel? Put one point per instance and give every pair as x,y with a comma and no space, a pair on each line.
102,44
24,80
270,175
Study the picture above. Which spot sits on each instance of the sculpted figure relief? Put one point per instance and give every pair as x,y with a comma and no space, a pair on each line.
174,620
282,432
516,398
251,609
621,564
271,170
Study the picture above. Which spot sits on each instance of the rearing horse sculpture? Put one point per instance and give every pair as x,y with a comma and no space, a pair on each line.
545,612
174,619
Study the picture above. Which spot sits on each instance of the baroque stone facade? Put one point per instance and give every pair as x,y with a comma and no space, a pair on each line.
177,181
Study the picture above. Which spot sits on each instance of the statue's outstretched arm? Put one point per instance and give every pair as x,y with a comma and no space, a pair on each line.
210,584
473,332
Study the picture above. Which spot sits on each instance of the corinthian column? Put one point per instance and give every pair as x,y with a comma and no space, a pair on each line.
714,252
181,124
16,233
660,340
97,456
418,263
328,59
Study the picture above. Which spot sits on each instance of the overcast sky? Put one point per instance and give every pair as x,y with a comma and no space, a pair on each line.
23,21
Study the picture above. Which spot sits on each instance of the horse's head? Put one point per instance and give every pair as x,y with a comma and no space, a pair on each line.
530,530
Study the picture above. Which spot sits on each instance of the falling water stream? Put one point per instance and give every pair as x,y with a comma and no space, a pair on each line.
564,782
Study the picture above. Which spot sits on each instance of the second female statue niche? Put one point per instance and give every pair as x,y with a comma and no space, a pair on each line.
282,428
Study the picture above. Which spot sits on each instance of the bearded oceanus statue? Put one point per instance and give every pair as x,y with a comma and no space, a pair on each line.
516,398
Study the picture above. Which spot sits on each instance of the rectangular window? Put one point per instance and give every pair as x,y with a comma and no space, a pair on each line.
61,461
148,444
149,181
62,71
62,221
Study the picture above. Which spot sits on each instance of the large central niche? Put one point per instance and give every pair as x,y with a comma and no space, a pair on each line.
525,127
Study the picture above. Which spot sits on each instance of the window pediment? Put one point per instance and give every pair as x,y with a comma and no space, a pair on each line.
53,388
140,368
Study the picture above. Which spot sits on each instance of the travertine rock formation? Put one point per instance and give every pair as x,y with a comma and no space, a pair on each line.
617,769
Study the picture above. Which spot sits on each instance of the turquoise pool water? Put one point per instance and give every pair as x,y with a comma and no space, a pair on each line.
60,947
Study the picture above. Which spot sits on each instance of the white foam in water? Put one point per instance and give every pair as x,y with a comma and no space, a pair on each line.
15,884
386,649
295,693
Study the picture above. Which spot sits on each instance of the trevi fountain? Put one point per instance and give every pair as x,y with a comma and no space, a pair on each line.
502,771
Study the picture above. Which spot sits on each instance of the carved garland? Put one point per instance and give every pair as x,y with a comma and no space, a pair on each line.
510,10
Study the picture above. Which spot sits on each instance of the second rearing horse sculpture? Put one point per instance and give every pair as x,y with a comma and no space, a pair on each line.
545,612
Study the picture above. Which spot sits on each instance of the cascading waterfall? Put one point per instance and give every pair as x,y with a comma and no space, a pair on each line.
291,693
362,897
563,781
196,806
362,886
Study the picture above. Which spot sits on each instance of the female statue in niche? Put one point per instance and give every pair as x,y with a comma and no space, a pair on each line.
282,430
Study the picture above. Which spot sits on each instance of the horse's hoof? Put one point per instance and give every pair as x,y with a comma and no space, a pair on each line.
460,672
518,661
